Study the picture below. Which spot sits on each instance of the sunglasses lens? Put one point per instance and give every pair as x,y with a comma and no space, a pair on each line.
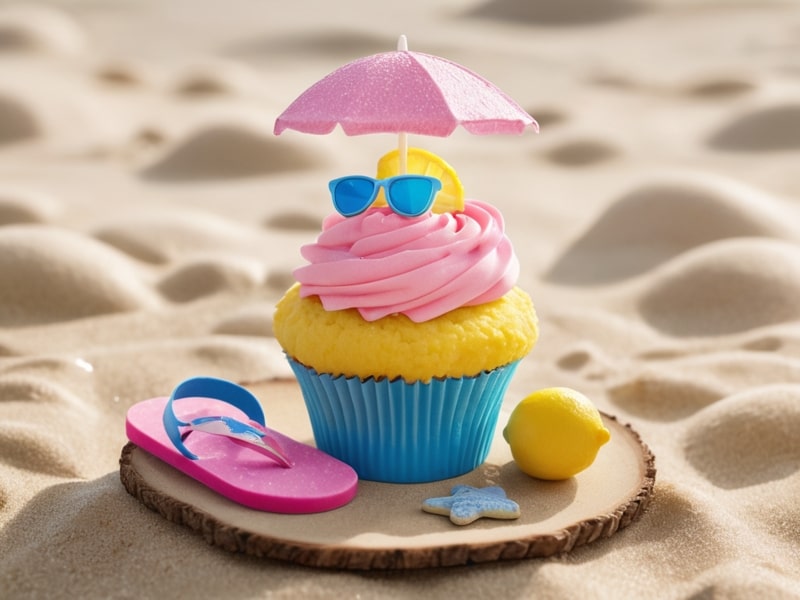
353,195
411,196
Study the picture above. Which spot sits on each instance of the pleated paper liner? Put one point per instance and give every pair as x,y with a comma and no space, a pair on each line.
398,432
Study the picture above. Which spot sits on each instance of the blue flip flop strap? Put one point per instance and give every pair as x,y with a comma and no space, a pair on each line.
208,387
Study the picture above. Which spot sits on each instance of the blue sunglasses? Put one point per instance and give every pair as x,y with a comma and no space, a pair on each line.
407,195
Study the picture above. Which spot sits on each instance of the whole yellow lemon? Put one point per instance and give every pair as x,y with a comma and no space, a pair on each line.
555,433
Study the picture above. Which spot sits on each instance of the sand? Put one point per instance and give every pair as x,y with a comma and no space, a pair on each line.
149,221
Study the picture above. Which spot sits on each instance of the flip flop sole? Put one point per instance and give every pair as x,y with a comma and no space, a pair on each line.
316,482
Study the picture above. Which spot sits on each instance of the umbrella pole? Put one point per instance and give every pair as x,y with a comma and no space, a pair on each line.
402,152
402,138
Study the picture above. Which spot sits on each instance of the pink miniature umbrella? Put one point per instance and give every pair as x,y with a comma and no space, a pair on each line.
404,92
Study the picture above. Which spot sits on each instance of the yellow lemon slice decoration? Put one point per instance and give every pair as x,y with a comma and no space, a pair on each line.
555,433
421,162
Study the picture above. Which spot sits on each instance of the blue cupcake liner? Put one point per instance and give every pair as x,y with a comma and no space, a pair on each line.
398,432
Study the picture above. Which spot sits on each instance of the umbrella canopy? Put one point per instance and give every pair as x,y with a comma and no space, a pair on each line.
404,92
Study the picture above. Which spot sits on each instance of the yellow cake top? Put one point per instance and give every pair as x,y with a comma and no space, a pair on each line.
462,342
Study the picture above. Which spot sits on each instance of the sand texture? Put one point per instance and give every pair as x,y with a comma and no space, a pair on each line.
149,221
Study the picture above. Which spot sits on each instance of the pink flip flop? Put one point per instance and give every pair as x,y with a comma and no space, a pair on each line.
221,440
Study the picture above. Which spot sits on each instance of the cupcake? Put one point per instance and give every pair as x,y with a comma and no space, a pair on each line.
404,330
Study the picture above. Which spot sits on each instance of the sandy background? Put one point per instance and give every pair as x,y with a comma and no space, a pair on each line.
149,220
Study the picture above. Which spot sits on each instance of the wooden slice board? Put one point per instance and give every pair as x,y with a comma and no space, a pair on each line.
384,527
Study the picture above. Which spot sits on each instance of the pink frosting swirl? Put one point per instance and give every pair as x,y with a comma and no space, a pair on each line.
382,263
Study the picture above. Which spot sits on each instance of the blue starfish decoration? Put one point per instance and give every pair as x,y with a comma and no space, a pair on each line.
466,504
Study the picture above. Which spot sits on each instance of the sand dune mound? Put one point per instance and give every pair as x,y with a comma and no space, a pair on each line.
664,395
668,390
37,376
696,530
725,287
204,277
280,280
49,275
38,28
17,121
755,581
557,12
214,78
255,320
26,206
747,439
548,116
228,151
581,153
159,238
293,221
657,221
121,73
26,387
24,446
719,87
58,407
769,129
79,506
324,42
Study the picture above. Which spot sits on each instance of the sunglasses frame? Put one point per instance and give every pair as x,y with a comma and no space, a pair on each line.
377,184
